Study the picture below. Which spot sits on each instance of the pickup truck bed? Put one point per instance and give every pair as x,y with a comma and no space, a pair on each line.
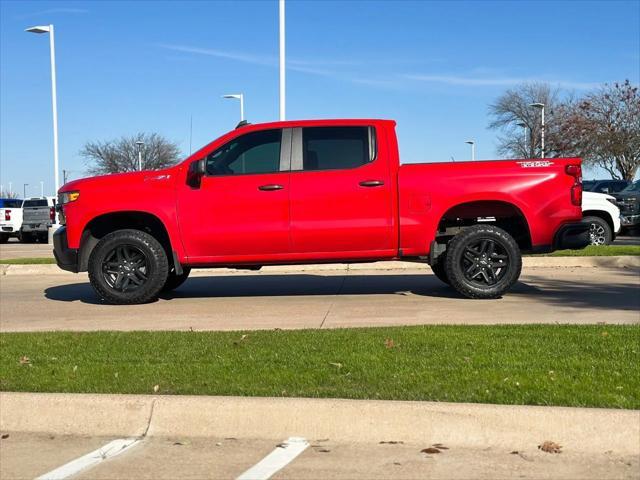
311,192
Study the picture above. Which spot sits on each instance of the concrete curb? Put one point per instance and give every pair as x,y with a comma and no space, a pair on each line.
527,262
467,425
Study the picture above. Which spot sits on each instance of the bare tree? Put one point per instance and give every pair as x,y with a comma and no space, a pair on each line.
520,124
116,156
604,129
8,194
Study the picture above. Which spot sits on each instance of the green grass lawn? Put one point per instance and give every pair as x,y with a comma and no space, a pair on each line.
27,261
599,251
594,366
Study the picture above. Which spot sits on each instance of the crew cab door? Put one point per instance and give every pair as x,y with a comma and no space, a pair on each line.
341,194
240,211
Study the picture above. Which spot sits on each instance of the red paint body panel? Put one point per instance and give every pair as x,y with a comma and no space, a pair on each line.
427,191
321,216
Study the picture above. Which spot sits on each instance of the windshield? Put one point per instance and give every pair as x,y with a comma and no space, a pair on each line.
633,187
588,185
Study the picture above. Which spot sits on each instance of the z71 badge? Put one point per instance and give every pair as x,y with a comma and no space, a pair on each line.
536,163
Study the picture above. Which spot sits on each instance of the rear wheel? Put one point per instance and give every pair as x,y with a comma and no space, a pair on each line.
4,238
599,231
174,281
26,237
483,261
128,267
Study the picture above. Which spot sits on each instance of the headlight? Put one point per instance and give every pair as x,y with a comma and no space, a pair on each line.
612,200
68,197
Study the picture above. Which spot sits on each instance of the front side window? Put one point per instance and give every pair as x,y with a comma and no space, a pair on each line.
256,152
330,148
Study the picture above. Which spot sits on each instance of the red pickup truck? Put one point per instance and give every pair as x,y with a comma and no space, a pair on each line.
312,192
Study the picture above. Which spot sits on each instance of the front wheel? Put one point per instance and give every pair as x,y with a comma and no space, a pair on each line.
128,267
483,261
599,231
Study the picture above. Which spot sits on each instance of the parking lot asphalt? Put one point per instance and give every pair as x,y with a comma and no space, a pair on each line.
14,249
215,458
322,299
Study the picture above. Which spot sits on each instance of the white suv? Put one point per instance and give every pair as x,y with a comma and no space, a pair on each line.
601,211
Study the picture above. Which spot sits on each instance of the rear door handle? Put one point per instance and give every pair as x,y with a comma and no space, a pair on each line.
371,183
270,187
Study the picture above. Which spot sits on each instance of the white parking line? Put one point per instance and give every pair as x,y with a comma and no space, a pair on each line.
279,458
89,460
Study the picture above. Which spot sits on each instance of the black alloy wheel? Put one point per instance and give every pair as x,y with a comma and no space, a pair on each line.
128,267
483,261
125,268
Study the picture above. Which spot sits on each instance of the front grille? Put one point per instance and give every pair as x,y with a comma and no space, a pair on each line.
627,207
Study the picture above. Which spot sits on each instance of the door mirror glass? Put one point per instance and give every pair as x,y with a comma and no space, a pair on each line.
195,173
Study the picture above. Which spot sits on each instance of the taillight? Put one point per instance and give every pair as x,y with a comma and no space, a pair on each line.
52,214
7,215
576,190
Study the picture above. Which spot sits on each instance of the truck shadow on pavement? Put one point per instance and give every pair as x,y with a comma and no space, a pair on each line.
622,295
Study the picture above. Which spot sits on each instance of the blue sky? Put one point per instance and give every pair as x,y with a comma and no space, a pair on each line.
125,67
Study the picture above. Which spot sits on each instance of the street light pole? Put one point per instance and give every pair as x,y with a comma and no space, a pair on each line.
473,149
541,107
282,59
524,127
140,144
240,97
54,98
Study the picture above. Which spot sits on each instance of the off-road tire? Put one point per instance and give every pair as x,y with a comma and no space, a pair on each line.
438,268
459,257
600,232
174,281
4,238
156,267
27,238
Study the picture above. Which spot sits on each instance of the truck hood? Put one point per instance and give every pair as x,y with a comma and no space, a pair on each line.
123,180
595,197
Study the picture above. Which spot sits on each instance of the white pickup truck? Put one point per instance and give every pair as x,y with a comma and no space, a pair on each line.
38,215
10,218
603,215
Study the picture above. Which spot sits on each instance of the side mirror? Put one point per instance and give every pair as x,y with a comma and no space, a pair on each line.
195,173
605,190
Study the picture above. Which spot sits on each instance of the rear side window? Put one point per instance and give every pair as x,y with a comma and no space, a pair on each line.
330,148
10,203
257,152
35,203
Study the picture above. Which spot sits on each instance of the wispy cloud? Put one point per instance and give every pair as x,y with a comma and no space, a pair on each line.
346,70
237,56
316,67
494,81
54,11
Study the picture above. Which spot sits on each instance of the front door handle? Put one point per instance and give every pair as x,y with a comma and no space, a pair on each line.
371,183
270,187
